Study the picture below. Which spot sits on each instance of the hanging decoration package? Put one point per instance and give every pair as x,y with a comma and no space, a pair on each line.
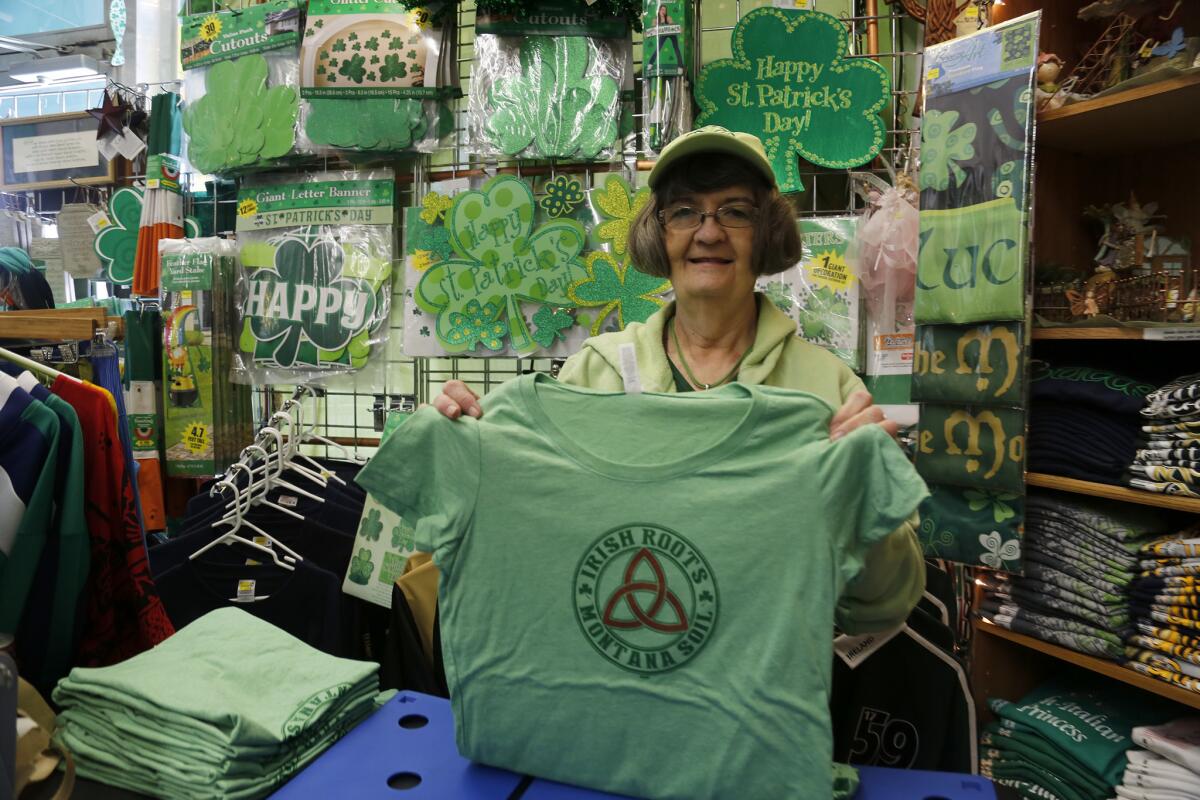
377,77
668,69
206,419
549,84
316,280
241,78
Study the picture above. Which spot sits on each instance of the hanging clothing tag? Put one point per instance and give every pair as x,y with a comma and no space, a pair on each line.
629,369
245,592
854,650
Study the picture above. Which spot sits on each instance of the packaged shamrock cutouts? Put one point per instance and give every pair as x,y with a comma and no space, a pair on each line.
315,289
241,82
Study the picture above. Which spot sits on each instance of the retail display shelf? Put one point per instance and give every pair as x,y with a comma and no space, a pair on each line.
1113,492
1165,334
1151,116
1098,665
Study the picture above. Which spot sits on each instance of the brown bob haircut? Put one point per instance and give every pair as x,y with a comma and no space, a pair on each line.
776,237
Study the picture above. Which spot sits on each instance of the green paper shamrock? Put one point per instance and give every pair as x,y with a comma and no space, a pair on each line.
361,567
372,525
116,245
621,287
239,120
554,109
499,258
790,83
354,68
403,536
369,123
941,145
393,68
552,323
562,195
477,324
302,310
619,207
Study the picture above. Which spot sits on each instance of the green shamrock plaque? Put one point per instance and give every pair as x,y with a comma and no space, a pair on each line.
791,84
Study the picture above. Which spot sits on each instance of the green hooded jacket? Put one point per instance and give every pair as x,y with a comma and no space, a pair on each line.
890,584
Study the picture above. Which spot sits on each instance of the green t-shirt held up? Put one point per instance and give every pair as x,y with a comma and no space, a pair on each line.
638,590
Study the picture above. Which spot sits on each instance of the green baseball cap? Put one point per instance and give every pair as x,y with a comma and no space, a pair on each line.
714,139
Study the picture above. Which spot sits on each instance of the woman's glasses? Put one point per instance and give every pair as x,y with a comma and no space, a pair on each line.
686,218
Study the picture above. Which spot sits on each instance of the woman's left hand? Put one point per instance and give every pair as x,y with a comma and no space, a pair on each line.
858,410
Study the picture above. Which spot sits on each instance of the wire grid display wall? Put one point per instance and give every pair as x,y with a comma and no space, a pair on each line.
348,412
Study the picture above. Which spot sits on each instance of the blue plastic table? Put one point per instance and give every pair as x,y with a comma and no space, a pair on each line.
406,751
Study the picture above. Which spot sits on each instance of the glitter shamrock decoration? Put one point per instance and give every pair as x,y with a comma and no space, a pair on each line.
552,323
618,287
941,146
434,206
361,567
499,259
555,108
431,239
563,194
619,206
240,120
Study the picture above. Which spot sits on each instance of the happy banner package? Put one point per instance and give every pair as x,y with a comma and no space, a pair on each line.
316,279
241,81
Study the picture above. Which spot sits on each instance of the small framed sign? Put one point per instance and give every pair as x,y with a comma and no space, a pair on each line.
48,152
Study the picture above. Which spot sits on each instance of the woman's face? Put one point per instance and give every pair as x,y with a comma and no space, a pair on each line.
712,261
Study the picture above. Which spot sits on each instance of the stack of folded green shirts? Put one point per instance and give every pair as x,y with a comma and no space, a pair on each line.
230,707
1165,601
1065,743
1080,557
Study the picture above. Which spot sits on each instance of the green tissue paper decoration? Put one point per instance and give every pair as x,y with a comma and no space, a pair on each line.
554,108
383,123
240,120
791,84
499,261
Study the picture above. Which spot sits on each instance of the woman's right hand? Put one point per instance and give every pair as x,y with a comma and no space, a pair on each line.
457,399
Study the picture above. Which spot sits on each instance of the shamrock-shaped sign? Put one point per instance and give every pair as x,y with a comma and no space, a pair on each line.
304,311
240,120
361,567
618,287
499,261
116,243
619,206
790,83
556,107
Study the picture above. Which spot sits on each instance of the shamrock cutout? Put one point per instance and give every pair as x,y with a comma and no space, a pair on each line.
434,206
369,123
302,310
562,195
372,525
500,259
552,323
813,102
403,536
621,287
477,324
116,245
619,207
240,121
554,108
393,68
353,68
361,567
372,43
941,146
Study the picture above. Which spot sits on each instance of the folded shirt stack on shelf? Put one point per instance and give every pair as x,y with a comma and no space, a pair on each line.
1165,602
1084,423
1067,742
1168,458
1081,557
1168,767
229,707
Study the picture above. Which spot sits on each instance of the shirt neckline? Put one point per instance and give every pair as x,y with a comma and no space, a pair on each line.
750,397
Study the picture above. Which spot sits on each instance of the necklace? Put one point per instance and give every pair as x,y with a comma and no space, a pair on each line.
687,371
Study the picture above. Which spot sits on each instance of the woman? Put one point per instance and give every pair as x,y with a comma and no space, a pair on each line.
714,223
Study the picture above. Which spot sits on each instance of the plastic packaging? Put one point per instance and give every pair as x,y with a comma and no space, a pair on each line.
242,84
316,281
545,96
668,68
885,249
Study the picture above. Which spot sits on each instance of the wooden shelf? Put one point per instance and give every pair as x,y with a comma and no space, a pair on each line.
1109,669
1180,333
1156,115
1111,492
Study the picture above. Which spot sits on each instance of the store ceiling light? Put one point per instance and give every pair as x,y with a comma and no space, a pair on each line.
50,70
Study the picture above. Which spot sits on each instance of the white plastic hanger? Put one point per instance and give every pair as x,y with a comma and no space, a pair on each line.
287,561
311,436
239,520
294,441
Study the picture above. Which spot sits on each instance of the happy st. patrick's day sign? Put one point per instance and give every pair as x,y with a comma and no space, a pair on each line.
790,84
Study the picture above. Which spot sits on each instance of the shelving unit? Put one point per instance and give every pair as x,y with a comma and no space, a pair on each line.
1171,333
1110,492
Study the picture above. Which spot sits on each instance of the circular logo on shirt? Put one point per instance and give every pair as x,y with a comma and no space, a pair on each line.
645,598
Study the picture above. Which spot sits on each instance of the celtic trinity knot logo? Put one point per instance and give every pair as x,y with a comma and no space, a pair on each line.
645,598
